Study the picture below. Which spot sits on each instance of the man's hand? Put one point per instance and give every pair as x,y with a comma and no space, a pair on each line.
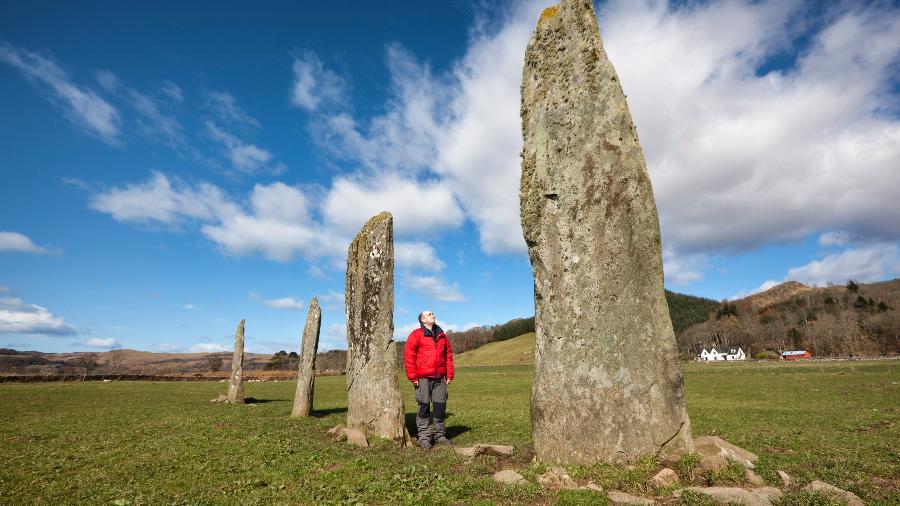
416,383
449,380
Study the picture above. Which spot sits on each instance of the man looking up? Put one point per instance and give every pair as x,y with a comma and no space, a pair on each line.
428,359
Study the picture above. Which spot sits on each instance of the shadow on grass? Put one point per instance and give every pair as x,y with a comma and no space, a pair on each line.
451,430
254,400
322,413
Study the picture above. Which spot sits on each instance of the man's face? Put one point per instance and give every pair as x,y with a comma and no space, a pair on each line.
427,317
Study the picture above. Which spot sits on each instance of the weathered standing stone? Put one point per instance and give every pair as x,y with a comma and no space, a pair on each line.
306,375
236,382
607,386
374,403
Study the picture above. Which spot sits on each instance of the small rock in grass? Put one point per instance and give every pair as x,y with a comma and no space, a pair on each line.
759,497
222,398
616,498
754,479
786,479
356,437
509,477
556,478
664,478
334,431
591,486
820,486
716,450
485,449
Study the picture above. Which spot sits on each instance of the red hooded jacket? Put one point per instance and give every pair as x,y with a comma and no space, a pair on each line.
428,355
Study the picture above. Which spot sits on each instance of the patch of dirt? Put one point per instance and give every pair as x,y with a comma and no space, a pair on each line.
220,426
774,449
884,424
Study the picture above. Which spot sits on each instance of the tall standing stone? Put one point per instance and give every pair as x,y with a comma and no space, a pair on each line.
306,376
374,403
236,382
607,385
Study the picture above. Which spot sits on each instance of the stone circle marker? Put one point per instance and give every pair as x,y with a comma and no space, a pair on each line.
374,403
236,382
607,385
306,375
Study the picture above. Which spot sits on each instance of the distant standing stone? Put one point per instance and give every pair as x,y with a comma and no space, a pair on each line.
374,403
607,385
306,376
236,382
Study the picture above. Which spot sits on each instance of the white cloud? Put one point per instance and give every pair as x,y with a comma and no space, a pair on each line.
314,85
417,207
285,303
188,306
834,238
208,347
225,107
164,201
870,263
172,91
683,269
417,255
435,288
316,272
103,342
82,106
334,337
245,157
770,283
14,241
18,317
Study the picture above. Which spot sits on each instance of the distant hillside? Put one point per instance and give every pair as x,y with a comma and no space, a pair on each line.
852,320
687,310
516,351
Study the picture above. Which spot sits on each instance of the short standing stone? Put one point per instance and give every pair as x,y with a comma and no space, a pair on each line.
607,385
356,437
509,477
236,382
374,402
306,376
666,477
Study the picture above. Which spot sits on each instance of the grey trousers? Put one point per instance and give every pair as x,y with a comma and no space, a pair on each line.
431,392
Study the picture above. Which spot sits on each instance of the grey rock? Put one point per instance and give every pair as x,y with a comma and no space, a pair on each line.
236,381
786,479
754,479
607,385
616,498
356,437
763,496
820,486
509,477
664,478
716,451
374,403
221,399
591,486
485,449
306,375
556,478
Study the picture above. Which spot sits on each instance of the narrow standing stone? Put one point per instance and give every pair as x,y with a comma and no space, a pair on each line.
607,386
306,376
374,403
236,383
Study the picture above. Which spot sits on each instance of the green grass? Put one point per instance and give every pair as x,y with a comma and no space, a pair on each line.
163,443
515,351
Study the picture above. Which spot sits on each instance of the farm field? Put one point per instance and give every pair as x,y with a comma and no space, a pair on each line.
163,443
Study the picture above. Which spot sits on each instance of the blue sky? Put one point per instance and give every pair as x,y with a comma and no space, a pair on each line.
170,170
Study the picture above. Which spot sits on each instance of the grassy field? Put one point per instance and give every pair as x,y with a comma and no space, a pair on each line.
163,443
515,351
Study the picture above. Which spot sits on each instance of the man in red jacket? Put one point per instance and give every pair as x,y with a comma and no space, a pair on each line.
429,365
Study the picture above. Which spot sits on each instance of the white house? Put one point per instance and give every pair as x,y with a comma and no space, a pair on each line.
722,353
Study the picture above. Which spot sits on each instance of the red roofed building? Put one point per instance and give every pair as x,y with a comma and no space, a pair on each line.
795,355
